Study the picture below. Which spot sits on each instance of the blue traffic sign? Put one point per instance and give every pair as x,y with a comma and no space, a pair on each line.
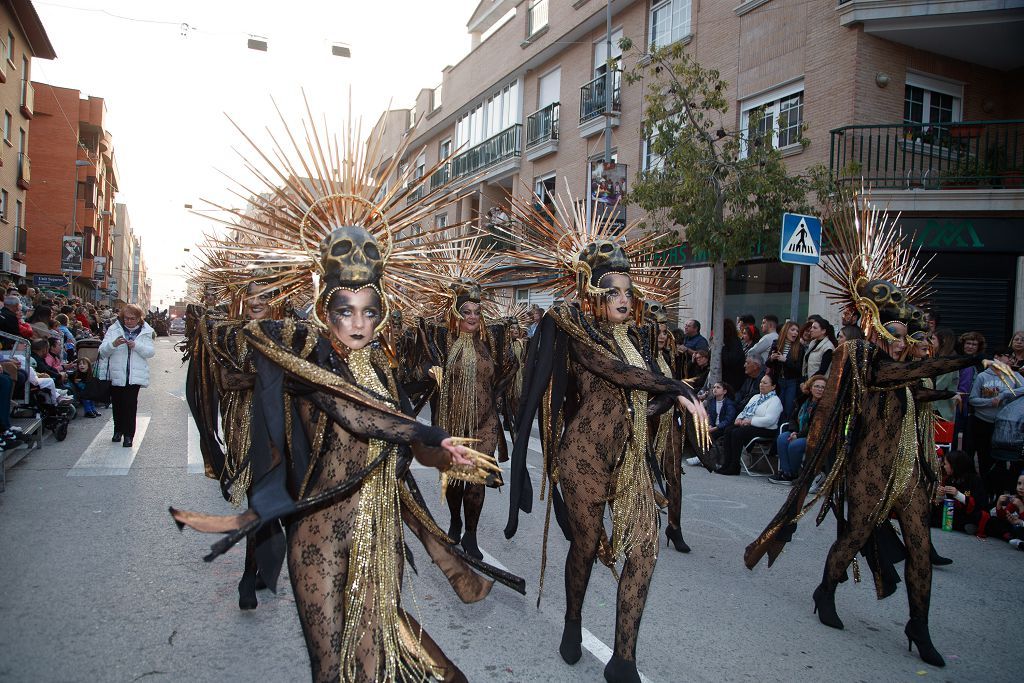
801,239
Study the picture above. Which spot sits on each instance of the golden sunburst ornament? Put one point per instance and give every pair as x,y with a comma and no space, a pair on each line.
308,182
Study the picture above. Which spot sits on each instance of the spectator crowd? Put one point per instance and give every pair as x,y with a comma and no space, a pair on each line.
52,343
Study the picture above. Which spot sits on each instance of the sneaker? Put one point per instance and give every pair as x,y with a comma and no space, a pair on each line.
693,462
782,478
816,484
1017,543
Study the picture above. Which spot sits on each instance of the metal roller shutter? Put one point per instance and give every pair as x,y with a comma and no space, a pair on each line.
982,304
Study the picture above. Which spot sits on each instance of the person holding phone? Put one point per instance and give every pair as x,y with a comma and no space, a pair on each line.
127,348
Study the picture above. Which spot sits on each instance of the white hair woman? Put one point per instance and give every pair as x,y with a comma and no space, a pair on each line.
127,348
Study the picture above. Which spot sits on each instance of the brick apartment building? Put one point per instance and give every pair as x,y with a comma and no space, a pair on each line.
74,153
22,38
924,100
127,281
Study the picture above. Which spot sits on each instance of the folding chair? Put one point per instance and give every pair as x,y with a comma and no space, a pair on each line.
758,451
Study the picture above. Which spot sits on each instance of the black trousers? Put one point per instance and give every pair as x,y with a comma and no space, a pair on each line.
737,438
125,403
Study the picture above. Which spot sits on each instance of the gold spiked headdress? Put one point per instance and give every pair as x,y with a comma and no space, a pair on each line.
322,216
459,268
872,271
557,242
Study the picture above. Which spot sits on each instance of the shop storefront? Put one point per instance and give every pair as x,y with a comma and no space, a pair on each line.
976,263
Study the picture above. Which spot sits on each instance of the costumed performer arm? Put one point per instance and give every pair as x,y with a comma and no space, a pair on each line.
888,371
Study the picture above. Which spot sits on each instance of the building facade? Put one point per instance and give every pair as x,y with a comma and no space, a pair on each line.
923,100
141,285
22,38
76,183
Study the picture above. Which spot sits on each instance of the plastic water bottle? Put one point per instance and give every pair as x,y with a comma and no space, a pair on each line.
947,514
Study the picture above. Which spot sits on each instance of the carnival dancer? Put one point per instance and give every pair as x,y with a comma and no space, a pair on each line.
864,432
330,438
668,430
472,365
223,383
591,369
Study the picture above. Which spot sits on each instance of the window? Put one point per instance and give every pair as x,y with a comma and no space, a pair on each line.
931,100
421,165
652,161
670,21
444,150
3,205
601,52
441,220
7,127
490,117
537,17
24,69
435,98
21,141
522,295
544,188
782,116
10,48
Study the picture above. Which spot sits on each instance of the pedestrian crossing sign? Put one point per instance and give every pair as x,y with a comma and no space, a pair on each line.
801,239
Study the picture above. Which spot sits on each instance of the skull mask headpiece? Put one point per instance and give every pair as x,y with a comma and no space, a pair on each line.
655,312
596,260
351,260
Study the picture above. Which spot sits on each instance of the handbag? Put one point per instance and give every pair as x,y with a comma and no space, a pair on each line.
1008,430
98,389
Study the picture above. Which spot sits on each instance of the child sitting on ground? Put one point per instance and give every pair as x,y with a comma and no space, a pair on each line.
961,483
81,384
1007,517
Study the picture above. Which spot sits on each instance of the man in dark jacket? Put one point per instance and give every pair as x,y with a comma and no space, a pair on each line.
9,319
753,371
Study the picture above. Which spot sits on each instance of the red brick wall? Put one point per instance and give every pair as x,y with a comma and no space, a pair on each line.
53,150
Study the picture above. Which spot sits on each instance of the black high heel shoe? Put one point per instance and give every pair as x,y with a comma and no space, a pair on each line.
938,560
247,592
619,670
916,631
675,538
455,530
572,637
470,546
825,605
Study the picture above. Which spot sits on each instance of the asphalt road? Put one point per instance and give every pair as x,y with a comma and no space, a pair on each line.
97,584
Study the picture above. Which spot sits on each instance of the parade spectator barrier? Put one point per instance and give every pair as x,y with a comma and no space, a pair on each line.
31,424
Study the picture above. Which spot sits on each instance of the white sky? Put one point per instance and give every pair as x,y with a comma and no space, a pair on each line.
166,95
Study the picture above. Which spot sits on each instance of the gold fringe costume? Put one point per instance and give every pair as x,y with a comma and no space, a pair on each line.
593,383
864,433
331,432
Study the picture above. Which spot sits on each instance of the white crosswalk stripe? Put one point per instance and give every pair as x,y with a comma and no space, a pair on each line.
105,458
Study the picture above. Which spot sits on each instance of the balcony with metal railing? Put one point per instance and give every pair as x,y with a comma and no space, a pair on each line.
24,171
495,157
955,155
440,176
593,104
542,132
415,195
28,99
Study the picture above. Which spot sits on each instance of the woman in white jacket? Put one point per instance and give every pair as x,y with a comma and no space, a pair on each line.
127,348
760,417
